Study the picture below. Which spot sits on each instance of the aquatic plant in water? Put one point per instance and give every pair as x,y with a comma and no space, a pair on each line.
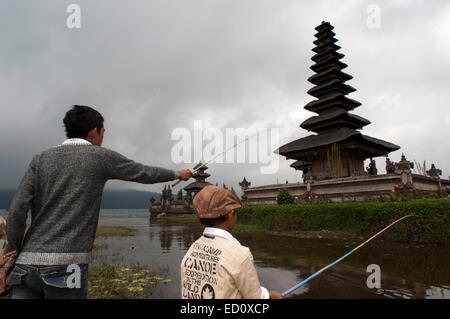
110,282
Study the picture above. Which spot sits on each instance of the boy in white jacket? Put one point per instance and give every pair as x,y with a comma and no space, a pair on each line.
217,266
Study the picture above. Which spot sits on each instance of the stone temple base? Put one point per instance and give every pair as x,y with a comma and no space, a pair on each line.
172,207
361,188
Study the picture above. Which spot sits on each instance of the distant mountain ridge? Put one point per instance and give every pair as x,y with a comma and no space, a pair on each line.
127,199
120,199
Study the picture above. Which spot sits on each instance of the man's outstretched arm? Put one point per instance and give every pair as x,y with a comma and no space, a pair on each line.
118,166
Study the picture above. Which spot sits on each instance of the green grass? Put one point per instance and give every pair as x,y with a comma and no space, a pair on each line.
98,246
104,232
113,231
246,227
430,224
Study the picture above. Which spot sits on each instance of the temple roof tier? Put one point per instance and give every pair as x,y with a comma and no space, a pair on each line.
327,54
322,43
339,136
201,175
196,186
325,34
331,73
338,99
335,118
324,25
204,167
299,165
325,46
328,63
331,87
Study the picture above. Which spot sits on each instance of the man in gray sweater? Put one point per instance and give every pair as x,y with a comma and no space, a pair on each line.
63,188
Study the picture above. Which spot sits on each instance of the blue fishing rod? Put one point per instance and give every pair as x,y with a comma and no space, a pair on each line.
287,292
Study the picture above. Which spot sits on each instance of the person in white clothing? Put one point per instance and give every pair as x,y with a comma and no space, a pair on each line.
217,266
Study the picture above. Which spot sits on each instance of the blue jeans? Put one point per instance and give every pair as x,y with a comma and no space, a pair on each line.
45,282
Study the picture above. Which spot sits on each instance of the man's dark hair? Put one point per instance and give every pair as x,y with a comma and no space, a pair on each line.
211,222
80,120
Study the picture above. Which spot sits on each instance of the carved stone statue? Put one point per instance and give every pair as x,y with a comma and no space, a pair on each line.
390,166
372,169
434,172
244,184
164,198
404,164
169,194
188,199
180,195
164,194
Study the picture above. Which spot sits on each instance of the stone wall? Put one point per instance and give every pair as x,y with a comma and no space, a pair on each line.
363,188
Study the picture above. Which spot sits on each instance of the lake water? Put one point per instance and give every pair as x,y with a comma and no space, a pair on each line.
406,271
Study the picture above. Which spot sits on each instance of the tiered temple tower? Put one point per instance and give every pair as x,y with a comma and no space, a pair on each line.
333,122
200,180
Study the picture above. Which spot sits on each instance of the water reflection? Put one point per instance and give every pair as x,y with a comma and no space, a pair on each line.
282,262
406,271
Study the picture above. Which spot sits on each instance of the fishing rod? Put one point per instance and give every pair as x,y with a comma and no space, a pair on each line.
216,156
338,260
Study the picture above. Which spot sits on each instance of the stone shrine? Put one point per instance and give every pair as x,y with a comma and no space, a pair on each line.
182,204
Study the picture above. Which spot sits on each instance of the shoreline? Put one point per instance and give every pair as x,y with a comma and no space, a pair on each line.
322,234
109,231
245,228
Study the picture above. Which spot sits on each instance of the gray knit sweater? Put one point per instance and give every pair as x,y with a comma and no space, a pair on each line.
63,187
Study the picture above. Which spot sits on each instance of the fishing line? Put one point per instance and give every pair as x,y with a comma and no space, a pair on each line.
338,260
217,155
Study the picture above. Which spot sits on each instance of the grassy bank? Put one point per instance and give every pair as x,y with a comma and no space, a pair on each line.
430,224
244,226
192,219
113,231
103,232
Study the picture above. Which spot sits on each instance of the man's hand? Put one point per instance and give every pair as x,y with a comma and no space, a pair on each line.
275,295
185,174
4,258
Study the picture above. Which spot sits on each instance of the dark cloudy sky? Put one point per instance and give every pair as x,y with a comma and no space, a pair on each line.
152,66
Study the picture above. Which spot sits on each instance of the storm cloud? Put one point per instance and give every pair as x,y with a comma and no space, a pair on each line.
151,67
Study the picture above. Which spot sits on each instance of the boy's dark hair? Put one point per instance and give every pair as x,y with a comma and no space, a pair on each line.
211,222
80,120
